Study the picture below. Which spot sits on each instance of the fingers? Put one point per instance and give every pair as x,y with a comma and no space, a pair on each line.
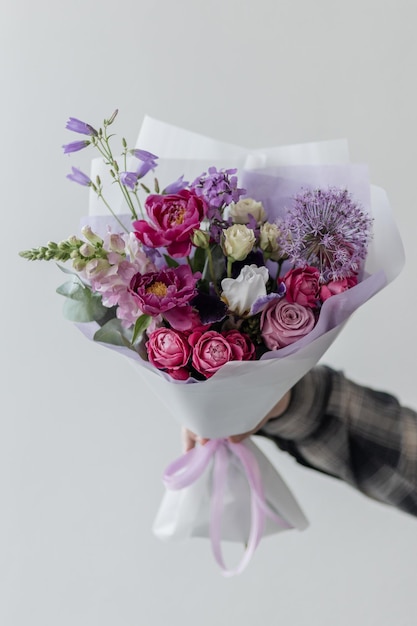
190,439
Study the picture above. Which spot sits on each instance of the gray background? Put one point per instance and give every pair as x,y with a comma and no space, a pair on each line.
83,444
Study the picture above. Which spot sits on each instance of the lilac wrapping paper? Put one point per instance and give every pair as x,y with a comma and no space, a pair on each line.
209,408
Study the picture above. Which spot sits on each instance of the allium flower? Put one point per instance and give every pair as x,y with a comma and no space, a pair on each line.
218,187
75,146
79,177
328,230
80,127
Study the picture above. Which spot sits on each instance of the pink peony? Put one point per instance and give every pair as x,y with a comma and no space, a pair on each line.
173,219
337,286
167,292
212,350
284,322
302,286
169,350
242,347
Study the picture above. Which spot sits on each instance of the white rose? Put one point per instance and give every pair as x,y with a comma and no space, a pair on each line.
268,237
238,241
240,293
240,211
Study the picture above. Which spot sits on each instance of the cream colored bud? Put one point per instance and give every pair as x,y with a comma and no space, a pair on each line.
268,240
238,241
201,239
241,211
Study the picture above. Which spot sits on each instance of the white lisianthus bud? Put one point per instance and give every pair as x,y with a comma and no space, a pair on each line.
238,241
242,210
91,236
240,293
268,240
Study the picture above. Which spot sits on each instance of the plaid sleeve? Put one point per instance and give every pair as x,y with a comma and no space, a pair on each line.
355,433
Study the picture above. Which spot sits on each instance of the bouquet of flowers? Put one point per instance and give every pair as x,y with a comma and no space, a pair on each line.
229,285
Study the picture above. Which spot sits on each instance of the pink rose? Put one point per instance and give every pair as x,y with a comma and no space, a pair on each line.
242,347
302,286
337,286
169,350
173,219
284,322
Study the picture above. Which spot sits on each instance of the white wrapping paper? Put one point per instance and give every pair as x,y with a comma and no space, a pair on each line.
240,394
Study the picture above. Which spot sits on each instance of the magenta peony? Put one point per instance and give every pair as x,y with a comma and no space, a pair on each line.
173,219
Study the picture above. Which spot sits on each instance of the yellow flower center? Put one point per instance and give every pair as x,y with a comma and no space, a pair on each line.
158,289
177,215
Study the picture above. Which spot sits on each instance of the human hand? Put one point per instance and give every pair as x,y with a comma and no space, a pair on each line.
190,439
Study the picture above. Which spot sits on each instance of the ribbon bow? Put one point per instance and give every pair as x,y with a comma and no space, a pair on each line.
188,468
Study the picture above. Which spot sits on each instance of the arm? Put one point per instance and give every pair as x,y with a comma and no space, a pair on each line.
352,432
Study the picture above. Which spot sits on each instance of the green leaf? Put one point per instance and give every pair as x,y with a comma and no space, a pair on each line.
141,325
81,304
199,260
170,262
113,332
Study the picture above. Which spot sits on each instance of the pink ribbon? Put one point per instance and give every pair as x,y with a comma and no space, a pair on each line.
188,468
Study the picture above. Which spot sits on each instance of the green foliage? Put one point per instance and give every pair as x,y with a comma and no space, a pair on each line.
81,304
141,325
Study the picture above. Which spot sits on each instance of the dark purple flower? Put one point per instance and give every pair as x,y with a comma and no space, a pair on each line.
129,179
80,127
79,177
326,229
176,186
75,146
218,187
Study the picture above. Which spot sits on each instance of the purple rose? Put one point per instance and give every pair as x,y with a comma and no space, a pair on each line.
173,219
282,323
169,350
167,292
302,286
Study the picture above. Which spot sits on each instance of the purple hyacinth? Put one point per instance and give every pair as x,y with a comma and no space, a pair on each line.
79,177
327,229
75,146
80,127
218,187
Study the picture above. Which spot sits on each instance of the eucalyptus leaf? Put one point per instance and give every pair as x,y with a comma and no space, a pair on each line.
113,332
81,304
